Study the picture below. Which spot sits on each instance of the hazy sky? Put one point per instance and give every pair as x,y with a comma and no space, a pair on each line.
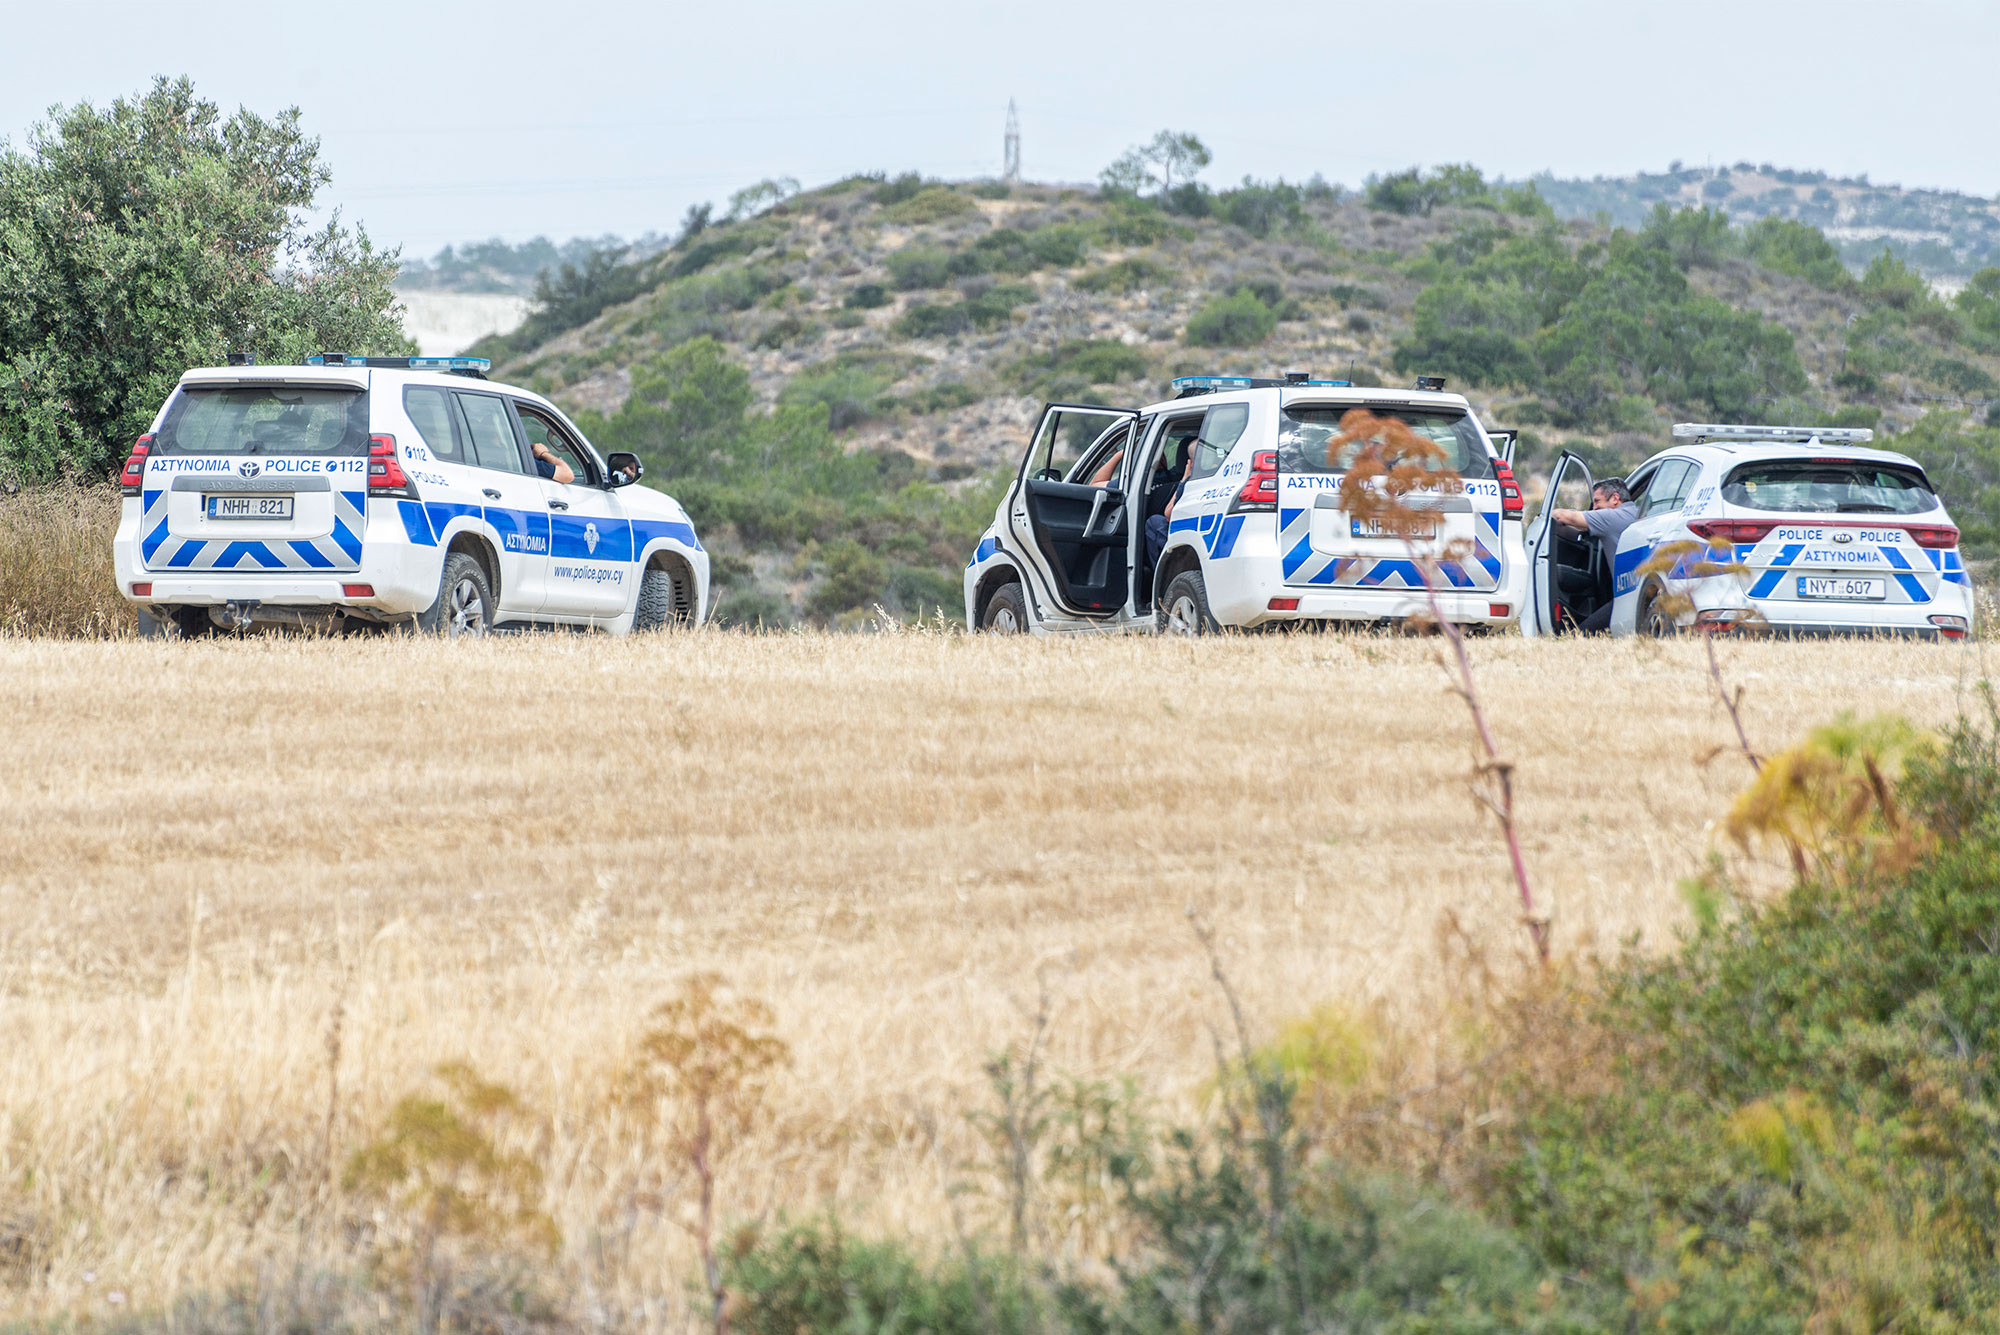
473,118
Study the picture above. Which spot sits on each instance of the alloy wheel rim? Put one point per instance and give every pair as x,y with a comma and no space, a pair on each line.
468,609
1181,615
1003,621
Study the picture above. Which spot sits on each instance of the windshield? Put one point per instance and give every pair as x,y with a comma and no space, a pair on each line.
1829,487
1304,432
265,419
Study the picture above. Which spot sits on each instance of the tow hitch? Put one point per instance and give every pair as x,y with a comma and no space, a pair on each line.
235,615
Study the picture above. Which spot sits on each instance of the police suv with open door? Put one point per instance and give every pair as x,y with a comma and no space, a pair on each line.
1257,537
391,491
1831,537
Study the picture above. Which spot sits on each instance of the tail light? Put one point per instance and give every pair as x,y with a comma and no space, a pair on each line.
145,590
1510,490
1260,489
133,476
1283,605
1934,535
1952,628
357,590
385,475
1732,530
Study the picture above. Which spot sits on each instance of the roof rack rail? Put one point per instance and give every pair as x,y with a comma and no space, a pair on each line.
1703,432
1187,385
476,367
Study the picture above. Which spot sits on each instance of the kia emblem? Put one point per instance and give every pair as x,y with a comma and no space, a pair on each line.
248,468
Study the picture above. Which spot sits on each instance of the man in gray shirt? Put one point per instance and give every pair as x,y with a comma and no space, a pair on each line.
1611,513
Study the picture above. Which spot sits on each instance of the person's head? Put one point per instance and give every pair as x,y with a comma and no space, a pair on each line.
1609,495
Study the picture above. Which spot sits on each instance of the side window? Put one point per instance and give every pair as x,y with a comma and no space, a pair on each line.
1093,463
430,410
542,429
1064,435
1670,487
491,427
1220,430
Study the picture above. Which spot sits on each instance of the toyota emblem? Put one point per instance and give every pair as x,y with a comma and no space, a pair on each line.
248,468
1843,537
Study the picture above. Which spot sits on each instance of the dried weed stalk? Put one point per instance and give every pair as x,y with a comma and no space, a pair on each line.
1391,482
698,1078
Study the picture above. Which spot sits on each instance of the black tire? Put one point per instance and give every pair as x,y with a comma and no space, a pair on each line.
1183,608
1006,611
1655,621
464,605
660,603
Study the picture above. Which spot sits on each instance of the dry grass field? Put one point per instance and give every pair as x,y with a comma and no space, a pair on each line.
508,852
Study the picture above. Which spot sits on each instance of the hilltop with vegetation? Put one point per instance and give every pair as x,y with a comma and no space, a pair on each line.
833,379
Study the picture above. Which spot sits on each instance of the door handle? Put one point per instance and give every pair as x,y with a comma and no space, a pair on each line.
558,505
491,493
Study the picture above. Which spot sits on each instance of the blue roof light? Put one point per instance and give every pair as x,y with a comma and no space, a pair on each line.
463,365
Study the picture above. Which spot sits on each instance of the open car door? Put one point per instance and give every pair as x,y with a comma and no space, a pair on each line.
1569,489
1074,538
1504,439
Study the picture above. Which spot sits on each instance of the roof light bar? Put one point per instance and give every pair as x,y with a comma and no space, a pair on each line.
1777,435
1185,385
478,364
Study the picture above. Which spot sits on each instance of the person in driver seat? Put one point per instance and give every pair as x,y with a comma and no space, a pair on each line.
550,464
1611,513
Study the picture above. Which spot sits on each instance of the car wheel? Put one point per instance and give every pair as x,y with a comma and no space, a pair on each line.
1006,612
1184,606
177,623
658,605
464,604
1655,620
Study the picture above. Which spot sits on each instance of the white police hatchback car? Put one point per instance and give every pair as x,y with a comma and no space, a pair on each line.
1257,537
1833,538
392,491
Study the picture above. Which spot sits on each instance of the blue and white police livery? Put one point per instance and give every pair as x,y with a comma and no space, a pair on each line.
392,490
1799,530
1257,536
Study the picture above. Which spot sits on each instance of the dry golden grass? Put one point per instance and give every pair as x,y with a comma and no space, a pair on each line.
55,562
509,851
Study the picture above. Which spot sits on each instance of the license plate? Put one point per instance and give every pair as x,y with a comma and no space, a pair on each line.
1845,590
250,507
1373,528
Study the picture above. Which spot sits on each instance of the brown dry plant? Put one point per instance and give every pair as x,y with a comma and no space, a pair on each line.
697,1079
1393,474
56,576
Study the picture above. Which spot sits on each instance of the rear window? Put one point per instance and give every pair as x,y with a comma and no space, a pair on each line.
1829,487
1305,432
265,419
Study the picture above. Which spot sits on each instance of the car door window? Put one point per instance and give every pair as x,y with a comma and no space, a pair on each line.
491,429
1669,488
542,429
1221,428
430,412
1062,440
1093,462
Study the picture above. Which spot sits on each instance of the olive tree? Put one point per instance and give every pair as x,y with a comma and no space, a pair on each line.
153,235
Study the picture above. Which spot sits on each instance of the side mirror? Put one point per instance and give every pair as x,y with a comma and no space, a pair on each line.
624,469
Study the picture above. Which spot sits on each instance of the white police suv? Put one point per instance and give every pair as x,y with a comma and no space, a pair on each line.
391,490
1257,537
1832,537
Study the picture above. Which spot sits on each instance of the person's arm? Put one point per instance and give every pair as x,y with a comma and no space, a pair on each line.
1102,477
564,473
1174,500
1571,519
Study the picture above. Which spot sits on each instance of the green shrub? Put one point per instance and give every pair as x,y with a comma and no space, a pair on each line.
1239,320
1126,275
992,190
931,205
848,394
904,187
991,307
1071,370
1796,248
866,297
918,267
1061,246
853,577
813,1277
